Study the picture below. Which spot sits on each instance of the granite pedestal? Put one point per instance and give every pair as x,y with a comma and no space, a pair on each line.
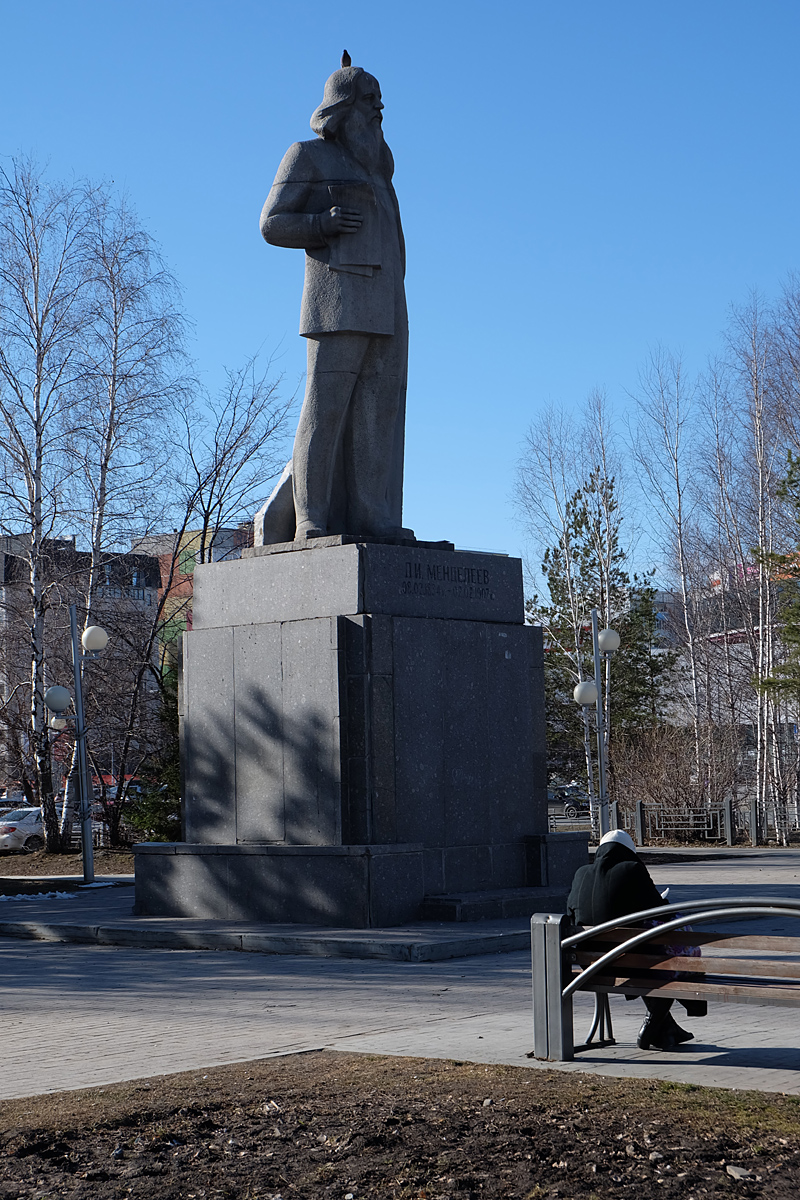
363,736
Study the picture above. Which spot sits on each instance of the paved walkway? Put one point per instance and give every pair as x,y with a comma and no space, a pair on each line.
82,1016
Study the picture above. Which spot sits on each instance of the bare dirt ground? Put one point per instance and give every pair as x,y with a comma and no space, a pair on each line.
38,864
353,1126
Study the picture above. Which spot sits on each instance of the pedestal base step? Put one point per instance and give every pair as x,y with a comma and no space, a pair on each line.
494,905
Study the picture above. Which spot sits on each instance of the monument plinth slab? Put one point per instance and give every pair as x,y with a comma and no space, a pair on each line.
366,722
346,579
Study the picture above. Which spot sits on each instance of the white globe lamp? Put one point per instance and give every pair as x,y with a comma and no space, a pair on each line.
57,699
608,640
585,693
94,639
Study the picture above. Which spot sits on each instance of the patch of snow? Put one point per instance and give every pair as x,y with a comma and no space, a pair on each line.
41,896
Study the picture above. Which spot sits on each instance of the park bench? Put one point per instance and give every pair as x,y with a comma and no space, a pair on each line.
633,958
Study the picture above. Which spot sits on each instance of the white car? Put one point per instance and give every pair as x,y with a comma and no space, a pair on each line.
21,829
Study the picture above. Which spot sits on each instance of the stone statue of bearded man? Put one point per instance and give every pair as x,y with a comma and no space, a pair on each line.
333,198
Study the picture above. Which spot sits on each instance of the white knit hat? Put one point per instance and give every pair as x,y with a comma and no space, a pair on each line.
619,835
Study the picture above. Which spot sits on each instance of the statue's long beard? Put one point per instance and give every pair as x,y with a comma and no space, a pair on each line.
364,140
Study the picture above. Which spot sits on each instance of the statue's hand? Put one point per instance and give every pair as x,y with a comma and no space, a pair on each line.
340,220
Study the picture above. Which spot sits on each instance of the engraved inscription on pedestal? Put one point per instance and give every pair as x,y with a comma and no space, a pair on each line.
444,579
463,584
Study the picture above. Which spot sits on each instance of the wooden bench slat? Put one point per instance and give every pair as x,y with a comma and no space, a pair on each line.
678,938
788,945
711,965
739,993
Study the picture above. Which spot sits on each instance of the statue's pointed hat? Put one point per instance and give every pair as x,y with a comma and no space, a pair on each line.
336,99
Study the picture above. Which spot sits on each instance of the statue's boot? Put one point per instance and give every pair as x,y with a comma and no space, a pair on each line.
308,529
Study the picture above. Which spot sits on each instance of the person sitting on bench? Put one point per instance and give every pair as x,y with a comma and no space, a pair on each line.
615,884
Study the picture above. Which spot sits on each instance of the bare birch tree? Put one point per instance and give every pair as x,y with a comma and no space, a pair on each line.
752,343
730,627
43,312
232,448
663,447
132,379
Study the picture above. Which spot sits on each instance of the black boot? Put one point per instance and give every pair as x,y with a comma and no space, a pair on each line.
656,1034
680,1035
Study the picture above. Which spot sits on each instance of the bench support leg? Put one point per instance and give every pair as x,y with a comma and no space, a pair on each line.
600,1020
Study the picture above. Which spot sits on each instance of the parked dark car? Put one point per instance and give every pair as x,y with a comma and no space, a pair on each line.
574,799
577,806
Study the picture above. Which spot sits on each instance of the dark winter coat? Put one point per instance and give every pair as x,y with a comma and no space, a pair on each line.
615,884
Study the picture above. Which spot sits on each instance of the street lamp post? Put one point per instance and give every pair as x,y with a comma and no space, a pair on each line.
606,641
87,844
605,824
58,699
586,693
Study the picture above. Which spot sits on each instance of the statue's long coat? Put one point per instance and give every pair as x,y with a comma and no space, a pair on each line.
336,301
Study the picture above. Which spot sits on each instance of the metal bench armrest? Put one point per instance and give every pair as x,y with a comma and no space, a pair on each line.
552,1011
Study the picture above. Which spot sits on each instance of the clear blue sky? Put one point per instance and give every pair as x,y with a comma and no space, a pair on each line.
579,181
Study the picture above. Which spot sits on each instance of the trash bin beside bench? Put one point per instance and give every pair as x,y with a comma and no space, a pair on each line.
625,957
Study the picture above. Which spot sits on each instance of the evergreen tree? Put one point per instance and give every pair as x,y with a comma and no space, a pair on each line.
586,569
156,811
642,670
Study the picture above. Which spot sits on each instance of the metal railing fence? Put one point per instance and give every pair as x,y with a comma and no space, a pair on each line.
727,823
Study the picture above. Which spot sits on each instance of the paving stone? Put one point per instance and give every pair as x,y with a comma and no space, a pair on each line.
106,1014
